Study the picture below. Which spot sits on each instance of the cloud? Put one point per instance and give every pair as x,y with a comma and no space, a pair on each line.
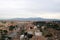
30,8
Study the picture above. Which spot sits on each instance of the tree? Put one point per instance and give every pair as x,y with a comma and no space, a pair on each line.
11,27
3,34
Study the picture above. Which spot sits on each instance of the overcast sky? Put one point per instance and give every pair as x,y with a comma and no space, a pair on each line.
30,8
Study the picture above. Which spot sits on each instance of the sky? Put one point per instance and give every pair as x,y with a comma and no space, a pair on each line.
30,8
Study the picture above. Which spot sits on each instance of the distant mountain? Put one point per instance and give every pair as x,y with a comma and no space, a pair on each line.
32,19
35,19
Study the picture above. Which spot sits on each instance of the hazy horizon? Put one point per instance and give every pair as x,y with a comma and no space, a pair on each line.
30,8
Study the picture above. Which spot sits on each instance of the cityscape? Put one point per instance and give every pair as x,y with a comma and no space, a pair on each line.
29,19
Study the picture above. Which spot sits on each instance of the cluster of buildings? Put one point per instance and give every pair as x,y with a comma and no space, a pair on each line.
29,31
